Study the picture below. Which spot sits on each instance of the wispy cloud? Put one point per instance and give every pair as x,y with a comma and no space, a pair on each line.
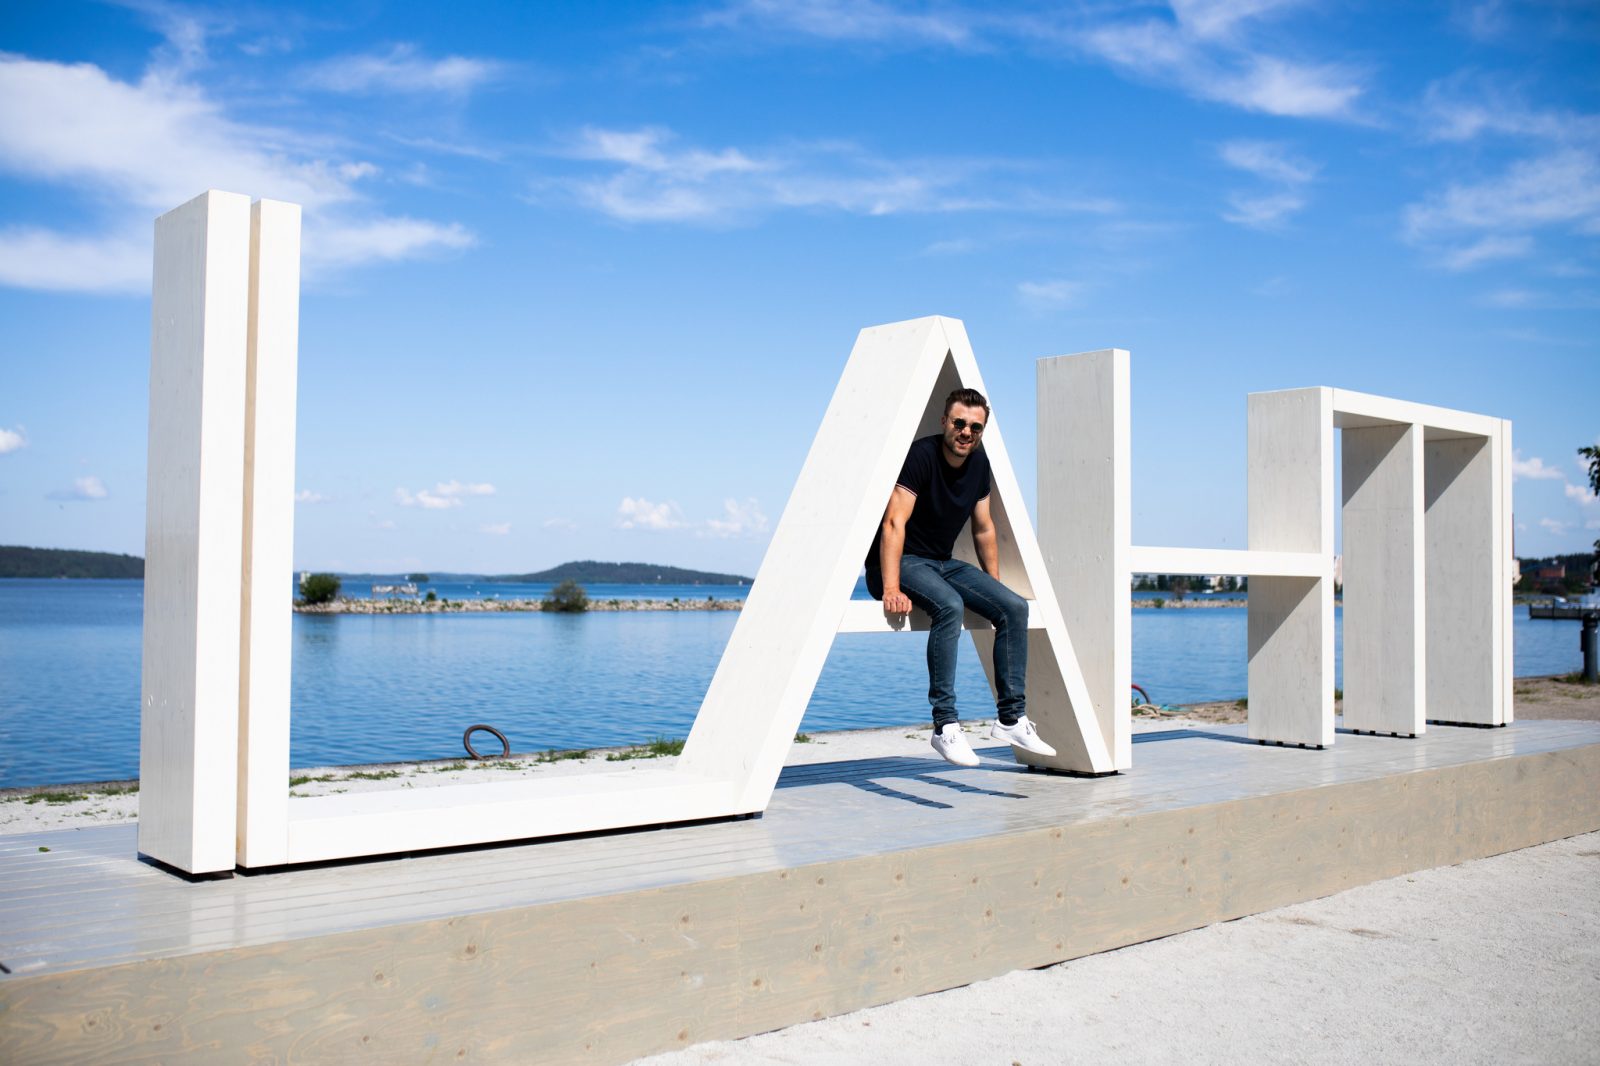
1049,295
566,525
1534,469
402,69
444,495
739,519
1556,525
1283,174
847,20
1560,188
642,514
83,488
12,439
1207,50
646,175
496,529
307,496
136,149
1485,250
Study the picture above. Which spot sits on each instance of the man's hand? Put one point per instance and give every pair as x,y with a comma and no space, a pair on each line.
896,602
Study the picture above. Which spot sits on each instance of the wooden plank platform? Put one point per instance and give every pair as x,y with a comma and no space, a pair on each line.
866,882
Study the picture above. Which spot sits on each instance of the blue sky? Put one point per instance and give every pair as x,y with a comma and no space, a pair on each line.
579,279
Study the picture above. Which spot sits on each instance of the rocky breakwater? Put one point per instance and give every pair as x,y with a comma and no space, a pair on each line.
487,606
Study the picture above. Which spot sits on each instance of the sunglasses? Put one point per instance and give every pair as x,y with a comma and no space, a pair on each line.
959,424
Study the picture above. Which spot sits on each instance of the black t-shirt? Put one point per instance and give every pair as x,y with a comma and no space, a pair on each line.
946,496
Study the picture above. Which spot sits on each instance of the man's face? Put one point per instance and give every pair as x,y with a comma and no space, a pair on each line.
963,429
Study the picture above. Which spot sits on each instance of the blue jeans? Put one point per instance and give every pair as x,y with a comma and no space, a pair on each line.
942,589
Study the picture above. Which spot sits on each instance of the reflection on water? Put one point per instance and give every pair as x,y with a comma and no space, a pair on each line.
377,688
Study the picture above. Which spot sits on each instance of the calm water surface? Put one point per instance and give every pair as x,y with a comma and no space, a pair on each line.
375,689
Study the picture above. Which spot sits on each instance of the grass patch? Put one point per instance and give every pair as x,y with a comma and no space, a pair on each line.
56,799
656,749
562,756
1574,678
450,768
306,779
1242,703
802,738
502,764
370,775
43,848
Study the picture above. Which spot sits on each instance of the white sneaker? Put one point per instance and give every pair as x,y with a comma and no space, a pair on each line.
951,742
1021,735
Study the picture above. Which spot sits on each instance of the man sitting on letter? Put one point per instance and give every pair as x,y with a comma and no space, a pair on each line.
945,481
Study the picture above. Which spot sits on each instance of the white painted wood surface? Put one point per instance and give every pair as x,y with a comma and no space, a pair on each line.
265,650
1085,522
1290,491
891,392
1464,654
189,688
1242,562
1385,661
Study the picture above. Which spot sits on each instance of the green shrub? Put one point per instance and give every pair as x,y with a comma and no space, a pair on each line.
568,596
432,596
319,588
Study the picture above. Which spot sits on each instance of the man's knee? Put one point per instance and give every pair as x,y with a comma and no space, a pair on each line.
1014,609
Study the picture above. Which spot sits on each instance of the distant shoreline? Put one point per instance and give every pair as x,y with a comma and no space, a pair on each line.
406,605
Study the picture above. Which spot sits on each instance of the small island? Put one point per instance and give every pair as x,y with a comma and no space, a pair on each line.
66,562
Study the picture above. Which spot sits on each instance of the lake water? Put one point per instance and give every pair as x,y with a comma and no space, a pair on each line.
392,687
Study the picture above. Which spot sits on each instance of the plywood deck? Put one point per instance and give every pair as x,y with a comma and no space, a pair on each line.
86,916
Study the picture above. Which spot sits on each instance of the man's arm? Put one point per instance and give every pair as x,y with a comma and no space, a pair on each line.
984,538
892,546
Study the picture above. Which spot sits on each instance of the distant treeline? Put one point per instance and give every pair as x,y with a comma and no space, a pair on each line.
593,573
62,562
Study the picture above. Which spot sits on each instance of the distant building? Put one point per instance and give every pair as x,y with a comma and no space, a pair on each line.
1551,572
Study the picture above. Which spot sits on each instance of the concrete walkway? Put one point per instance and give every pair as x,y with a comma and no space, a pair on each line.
1495,961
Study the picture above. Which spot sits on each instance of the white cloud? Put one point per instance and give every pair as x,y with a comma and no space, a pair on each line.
1269,161
1533,469
444,495
496,529
1275,166
12,439
1468,105
307,496
642,514
1485,250
738,520
1555,525
83,488
1560,188
648,177
1206,49
847,20
1211,58
459,488
1262,212
1049,295
566,525
136,149
1581,494
402,70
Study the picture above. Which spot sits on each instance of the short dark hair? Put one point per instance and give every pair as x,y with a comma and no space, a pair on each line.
967,398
